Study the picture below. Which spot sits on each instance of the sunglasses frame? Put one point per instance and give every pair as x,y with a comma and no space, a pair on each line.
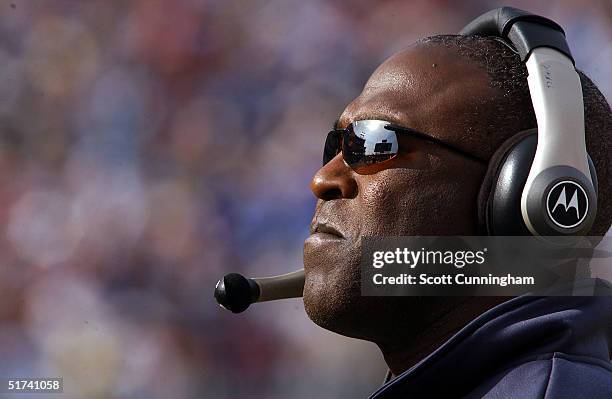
339,134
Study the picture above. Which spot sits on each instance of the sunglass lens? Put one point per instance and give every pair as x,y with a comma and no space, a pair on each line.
365,144
332,146
368,143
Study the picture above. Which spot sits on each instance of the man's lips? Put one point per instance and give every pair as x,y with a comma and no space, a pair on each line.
325,228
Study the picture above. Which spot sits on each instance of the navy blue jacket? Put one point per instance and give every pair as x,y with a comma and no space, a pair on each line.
528,348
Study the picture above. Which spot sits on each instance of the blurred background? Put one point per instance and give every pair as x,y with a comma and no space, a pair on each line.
149,147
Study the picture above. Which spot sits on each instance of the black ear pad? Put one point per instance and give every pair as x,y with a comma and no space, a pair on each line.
499,199
491,180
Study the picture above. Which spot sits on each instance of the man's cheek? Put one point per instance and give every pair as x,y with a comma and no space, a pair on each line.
394,207
378,193
380,201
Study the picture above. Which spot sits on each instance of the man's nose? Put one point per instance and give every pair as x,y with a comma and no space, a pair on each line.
335,180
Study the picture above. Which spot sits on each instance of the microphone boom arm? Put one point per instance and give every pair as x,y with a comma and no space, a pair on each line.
236,293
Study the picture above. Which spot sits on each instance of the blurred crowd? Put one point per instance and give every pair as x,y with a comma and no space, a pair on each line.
148,147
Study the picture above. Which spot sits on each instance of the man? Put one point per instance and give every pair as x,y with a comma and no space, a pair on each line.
470,93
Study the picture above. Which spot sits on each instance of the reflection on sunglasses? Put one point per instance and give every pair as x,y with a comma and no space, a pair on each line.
369,143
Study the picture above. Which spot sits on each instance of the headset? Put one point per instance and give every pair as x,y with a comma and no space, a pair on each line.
539,182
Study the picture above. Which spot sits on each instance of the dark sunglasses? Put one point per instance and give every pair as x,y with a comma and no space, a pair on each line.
366,144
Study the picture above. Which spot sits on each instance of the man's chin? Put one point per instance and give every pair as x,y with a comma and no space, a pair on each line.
338,306
332,293
332,314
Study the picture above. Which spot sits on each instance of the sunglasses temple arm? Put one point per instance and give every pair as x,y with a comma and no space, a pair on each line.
415,133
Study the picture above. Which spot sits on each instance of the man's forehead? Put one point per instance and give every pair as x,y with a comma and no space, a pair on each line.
429,88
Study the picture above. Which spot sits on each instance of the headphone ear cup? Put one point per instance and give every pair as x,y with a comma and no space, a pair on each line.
499,207
503,213
499,199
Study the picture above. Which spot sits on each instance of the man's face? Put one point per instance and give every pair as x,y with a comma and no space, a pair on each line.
426,190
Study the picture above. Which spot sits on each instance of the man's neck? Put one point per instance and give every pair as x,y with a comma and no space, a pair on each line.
404,352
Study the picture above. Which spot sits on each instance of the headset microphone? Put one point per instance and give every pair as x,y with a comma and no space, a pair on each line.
236,293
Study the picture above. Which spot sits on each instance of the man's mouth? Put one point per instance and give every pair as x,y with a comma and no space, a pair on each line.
325,228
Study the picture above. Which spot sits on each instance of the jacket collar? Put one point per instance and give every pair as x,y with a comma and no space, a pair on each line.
515,331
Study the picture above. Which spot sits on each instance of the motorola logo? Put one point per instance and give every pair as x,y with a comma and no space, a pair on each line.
567,204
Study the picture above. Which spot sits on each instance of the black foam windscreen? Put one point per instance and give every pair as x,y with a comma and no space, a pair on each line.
236,293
